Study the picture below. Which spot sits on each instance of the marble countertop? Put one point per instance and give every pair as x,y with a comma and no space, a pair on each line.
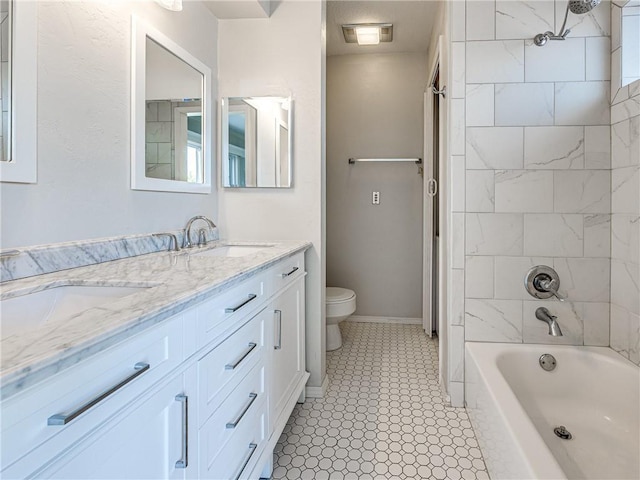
176,281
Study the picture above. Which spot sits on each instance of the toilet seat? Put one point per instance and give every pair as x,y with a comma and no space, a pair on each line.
339,295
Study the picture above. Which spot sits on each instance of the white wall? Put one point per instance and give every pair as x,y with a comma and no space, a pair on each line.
375,109
283,55
531,159
83,188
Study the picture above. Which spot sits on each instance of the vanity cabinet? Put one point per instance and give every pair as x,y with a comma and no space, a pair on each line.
205,394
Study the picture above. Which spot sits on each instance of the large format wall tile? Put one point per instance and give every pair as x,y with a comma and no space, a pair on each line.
495,148
596,323
510,273
584,279
582,103
570,315
582,191
556,62
493,234
480,105
553,235
524,104
598,58
495,62
597,147
554,147
480,23
479,276
625,238
597,235
493,321
624,190
523,191
480,194
625,143
624,285
523,19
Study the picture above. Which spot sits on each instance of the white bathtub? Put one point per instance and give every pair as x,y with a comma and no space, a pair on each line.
514,406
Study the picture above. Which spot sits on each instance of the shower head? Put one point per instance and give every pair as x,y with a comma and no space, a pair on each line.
582,6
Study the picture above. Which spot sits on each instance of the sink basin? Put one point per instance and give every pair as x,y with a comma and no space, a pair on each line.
232,251
53,304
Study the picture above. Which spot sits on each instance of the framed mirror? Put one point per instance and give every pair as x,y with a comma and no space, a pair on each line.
256,142
625,49
18,92
170,115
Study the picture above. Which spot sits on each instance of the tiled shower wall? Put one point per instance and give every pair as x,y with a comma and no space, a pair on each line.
531,169
625,211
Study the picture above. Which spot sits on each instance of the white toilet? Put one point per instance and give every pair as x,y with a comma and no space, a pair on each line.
341,303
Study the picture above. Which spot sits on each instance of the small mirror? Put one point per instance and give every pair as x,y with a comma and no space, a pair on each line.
171,101
256,142
630,39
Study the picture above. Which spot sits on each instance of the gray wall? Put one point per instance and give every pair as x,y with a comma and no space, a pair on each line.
375,109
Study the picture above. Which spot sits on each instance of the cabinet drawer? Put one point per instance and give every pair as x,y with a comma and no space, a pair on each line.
239,456
285,272
87,394
222,314
236,411
221,369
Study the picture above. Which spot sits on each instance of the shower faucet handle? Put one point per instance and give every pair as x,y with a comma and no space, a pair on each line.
543,282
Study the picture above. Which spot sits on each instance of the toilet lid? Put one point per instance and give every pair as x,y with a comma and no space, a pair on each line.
337,294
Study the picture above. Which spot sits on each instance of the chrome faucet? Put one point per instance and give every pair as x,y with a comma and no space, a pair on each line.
544,315
173,241
187,230
545,283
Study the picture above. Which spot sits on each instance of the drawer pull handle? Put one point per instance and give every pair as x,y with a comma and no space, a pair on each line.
252,450
278,343
252,398
234,365
184,459
252,296
63,419
294,270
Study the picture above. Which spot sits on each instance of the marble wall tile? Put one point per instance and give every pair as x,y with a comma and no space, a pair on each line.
582,191
626,108
584,279
553,235
634,338
457,70
458,21
479,275
481,19
495,148
598,58
569,317
556,62
480,191
457,136
456,353
457,297
620,330
457,243
596,23
597,235
493,234
458,174
524,191
524,104
596,324
582,103
597,147
496,61
156,132
480,105
624,286
625,238
624,190
625,143
554,147
616,22
510,273
517,19
493,320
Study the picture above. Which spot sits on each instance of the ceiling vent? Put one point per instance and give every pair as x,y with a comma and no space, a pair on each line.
368,33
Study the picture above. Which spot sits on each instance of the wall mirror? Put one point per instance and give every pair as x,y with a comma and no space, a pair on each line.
18,92
256,142
625,48
171,116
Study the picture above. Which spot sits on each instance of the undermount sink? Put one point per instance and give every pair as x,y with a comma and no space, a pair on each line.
232,251
53,304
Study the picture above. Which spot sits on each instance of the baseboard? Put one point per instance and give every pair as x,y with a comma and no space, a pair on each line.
318,392
394,320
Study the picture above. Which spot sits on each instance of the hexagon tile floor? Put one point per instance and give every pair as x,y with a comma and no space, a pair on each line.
384,416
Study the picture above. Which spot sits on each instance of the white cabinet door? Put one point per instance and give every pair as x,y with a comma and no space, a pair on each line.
147,442
287,351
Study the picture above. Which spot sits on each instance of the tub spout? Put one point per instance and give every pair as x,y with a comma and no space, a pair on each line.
544,315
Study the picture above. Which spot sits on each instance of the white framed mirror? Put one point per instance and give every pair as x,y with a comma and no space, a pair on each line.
18,120
256,142
170,115
625,48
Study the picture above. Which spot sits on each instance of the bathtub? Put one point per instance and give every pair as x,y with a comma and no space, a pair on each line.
514,405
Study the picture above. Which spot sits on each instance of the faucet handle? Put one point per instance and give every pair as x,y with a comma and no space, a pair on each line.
551,285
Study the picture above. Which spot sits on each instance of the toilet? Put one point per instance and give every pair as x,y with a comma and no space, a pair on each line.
341,303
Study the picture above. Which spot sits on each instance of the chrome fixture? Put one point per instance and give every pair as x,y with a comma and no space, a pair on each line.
417,161
173,241
544,315
543,282
547,362
202,237
562,432
577,7
187,230
368,33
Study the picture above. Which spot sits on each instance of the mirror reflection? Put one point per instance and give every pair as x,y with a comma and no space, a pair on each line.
5,79
257,142
630,39
173,129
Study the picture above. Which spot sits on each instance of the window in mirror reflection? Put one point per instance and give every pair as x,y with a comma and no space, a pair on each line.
173,130
5,80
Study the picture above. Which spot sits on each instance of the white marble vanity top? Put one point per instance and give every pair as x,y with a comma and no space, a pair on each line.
176,281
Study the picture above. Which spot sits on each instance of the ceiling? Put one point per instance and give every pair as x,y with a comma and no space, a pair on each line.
413,23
